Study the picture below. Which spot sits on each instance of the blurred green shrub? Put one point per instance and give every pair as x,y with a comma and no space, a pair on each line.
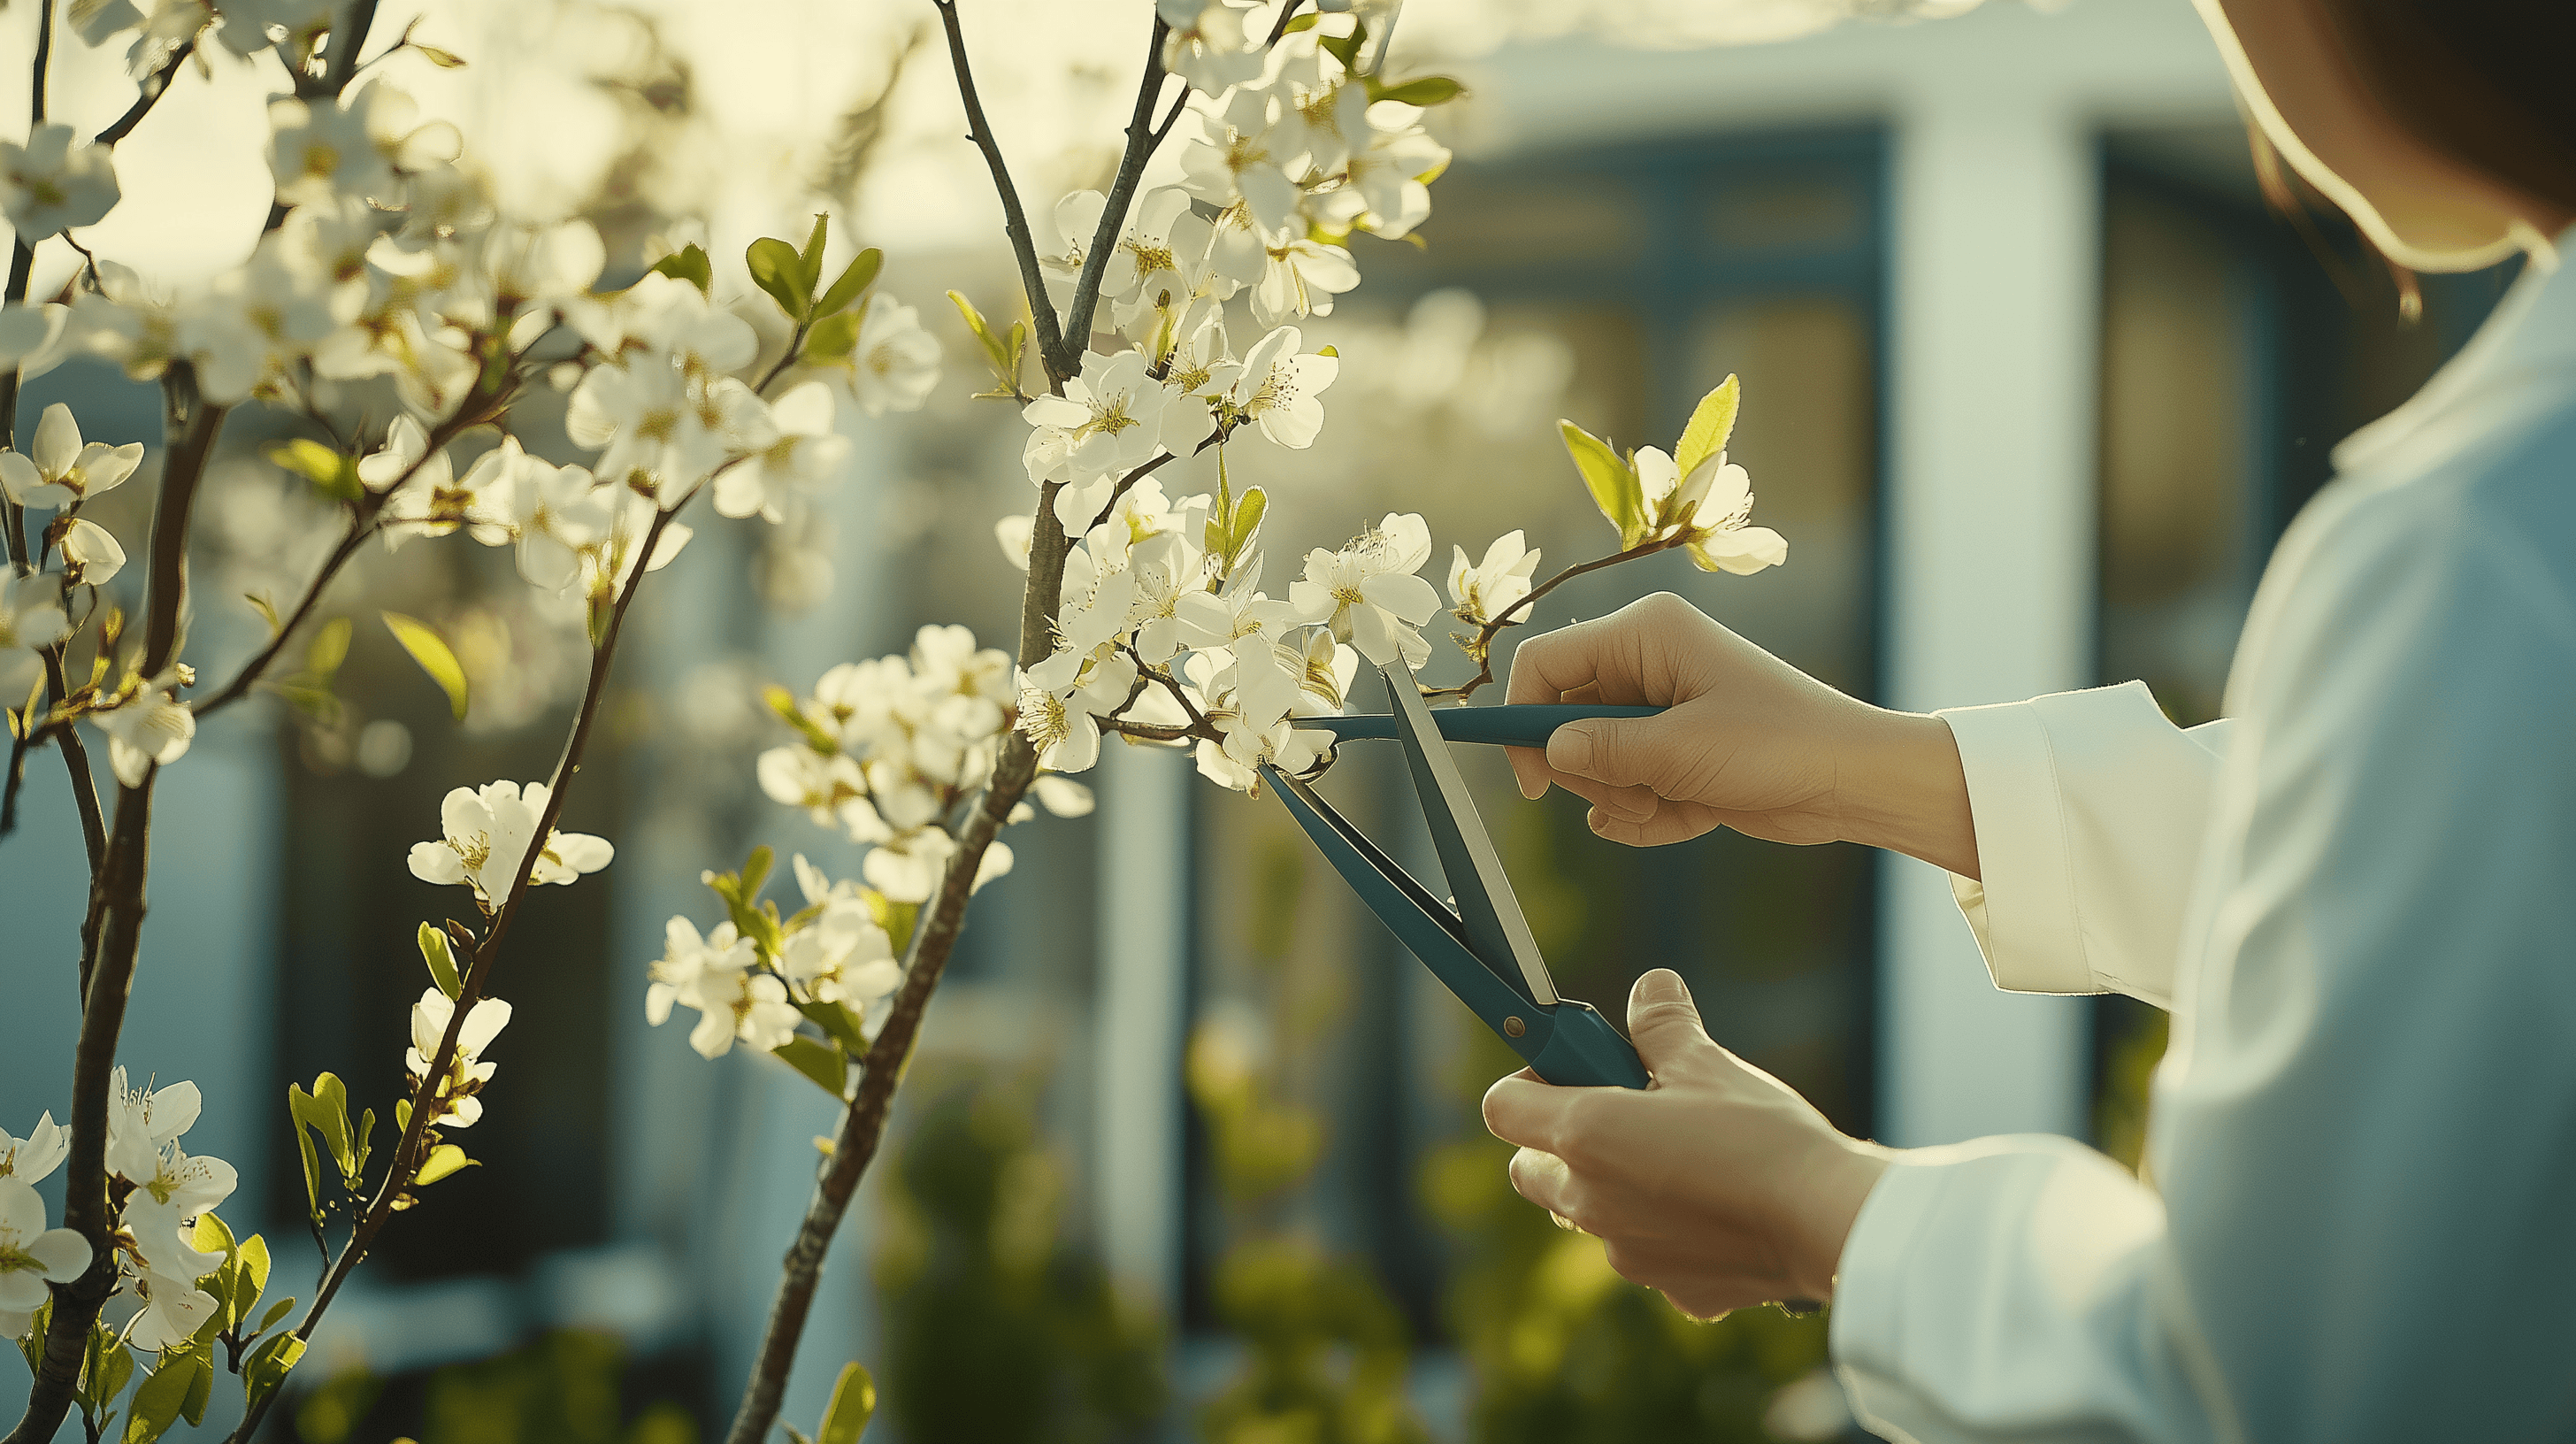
999,1330
565,1388
1326,1350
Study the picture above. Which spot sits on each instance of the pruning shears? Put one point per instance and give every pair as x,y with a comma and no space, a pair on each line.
1480,944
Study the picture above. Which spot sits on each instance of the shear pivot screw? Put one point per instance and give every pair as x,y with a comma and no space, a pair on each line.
1514,1027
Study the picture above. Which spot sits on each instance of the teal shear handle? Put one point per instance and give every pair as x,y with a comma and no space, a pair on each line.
1524,725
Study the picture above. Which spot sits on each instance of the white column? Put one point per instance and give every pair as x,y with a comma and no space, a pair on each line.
1143,952
1991,548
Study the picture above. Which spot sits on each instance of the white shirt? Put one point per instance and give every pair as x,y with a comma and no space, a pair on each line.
2358,896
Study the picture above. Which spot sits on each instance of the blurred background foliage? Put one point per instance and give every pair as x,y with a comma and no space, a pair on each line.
998,1328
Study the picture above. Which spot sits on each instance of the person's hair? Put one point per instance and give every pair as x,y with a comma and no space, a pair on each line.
2487,82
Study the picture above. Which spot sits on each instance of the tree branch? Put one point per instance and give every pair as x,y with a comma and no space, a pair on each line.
1015,222
410,1151
863,1124
1141,141
113,930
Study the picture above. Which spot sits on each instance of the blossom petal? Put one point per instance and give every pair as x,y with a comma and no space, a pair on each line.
1406,595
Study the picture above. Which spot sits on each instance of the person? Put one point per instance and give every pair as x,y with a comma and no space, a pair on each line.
2356,893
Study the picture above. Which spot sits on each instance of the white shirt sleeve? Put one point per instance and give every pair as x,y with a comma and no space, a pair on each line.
2365,1131
2090,808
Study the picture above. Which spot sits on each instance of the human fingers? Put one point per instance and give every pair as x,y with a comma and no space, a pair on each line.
1521,1109
1543,1179
1669,823
1664,1025
1605,660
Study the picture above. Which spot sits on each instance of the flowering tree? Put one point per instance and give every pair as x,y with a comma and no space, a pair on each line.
388,283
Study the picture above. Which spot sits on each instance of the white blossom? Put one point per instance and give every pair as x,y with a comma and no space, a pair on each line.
1276,389
1208,45
807,453
467,1071
841,957
1300,278
1323,113
174,1308
486,835
31,617
59,471
1237,157
1383,190
149,729
896,363
32,1255
50,185
33,1158
1482,591
1367,593
553,513
1060,699
1715,505
680,975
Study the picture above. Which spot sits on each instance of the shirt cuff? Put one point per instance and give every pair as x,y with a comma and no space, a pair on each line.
2023,912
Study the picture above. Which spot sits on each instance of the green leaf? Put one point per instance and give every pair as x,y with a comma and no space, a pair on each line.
158,1403
1613,482
809,261
1303,22
896,918
325,1110
689,263
777,269
329,647
442,963
1427,91
430,651
201,1384
297,1101
855,279
1346,48
841,1023
1711,423
442,1161
833,339
250,1280
443,59
213,1235
276,1311
267,1367
1247,522
755,871
783,702
335,473
854,1399
995,350
106,1372
826,1065
267,610
33,1343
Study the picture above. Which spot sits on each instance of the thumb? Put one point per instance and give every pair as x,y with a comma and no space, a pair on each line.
1620,751
1664,1023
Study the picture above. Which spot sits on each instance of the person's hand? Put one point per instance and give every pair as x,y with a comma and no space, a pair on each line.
1750,742
1718,1186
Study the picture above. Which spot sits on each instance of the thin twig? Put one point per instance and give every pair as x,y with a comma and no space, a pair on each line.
1287,13
410,1152
155,85
364,518
1015,222
1484,644
1141,141
13,517
863,1123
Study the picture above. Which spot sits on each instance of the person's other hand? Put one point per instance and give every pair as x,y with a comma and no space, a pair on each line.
1749,742
1717,1186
